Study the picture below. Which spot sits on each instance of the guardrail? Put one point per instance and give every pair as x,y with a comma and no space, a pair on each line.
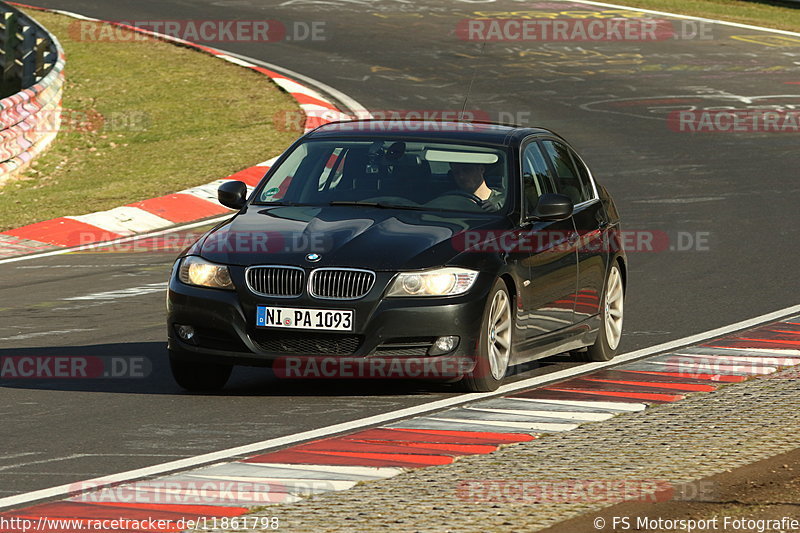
31,84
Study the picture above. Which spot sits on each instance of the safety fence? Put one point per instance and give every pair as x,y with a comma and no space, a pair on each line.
31,85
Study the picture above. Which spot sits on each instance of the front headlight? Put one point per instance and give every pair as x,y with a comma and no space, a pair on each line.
197,271
447,281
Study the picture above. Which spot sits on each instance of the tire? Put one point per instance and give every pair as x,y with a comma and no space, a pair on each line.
611,315
496,331
196,376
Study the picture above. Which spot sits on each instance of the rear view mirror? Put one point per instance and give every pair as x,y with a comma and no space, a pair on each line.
553,207
232,194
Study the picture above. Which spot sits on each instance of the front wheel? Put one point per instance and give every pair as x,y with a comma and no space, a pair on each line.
494,348
605,347
196,376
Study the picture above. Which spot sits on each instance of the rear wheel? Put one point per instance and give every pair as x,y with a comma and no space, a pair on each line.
611,314
197,376
494,347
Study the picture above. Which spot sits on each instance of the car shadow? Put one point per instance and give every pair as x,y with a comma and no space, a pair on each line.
143,368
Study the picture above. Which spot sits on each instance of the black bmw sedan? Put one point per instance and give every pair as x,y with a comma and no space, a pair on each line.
376,249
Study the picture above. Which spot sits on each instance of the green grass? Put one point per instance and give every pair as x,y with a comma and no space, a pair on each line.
204,119
745,12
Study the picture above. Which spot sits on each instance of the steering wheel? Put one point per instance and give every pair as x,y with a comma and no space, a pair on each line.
464,194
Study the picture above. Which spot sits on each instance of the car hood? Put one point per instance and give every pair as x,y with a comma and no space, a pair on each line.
343,236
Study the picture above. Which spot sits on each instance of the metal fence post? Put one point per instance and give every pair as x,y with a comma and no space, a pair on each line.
10,83
28,55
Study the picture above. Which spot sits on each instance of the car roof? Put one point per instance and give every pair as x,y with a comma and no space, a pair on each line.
431,130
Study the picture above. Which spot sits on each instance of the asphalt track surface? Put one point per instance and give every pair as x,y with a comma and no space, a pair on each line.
738,191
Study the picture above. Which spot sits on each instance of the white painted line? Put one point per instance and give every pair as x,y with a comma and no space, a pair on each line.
15,455
690,17
23,336
235,60
74,15
291,86
361,471
566,415
121,293
218,490
71,267
282,484
392,416
616,406
318,111
248,470
463,424
43,461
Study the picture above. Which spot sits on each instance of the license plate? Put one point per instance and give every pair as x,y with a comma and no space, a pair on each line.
295,318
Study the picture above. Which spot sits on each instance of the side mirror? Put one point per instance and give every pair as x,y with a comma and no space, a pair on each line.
553,207
232,194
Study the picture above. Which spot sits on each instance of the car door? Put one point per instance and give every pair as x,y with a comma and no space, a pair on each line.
549,292
573,179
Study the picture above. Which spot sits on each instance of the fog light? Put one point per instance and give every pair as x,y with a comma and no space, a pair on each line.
186,333
443,345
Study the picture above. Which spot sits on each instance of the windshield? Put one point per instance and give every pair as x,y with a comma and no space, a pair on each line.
389,173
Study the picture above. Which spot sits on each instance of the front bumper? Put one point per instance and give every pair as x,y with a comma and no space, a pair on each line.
384,328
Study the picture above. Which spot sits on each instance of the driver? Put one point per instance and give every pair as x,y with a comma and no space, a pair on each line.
469,178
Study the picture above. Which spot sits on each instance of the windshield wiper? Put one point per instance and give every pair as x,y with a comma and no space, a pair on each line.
348,202
382,205
282,204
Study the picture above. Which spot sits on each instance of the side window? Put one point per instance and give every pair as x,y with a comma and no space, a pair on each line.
279,182
567,180
536,179
583,176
